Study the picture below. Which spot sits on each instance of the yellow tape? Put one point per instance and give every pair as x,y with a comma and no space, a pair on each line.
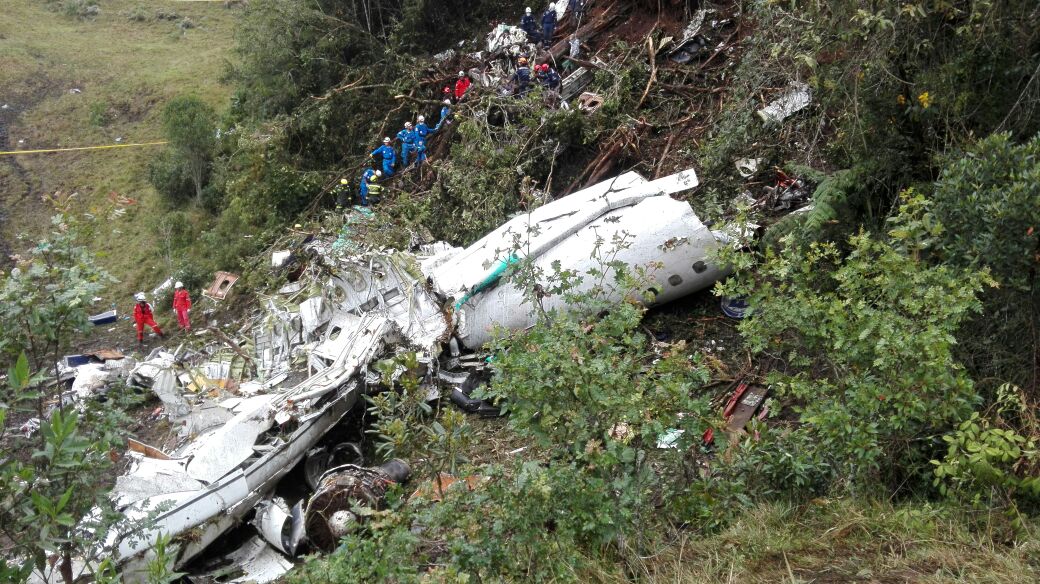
13,152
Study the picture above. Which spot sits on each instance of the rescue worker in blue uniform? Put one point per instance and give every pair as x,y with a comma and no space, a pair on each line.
365,178
548,24
548,77
577,9
422,131
445,115
407,139
386,151
521,78
528,24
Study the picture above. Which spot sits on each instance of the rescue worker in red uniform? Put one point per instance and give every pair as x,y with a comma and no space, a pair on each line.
143,316
461,86
182,306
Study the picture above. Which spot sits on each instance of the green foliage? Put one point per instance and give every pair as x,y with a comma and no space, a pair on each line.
75,8
170,176
49,297
99,114
190,127
399,413
866,341
988,461
988,201
54,502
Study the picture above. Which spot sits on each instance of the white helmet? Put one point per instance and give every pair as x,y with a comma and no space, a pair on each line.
421,119
527,10
179,284
462,73
139,297
552,6
408,124
386,139
378,173
447,102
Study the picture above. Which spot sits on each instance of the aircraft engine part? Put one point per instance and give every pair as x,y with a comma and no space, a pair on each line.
329,514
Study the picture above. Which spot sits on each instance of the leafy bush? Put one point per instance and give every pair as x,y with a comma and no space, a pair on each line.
994,460
864,349
988,203
170,176
47,299
54,503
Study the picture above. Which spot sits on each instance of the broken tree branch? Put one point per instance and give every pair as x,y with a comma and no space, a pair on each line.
652,54
234,346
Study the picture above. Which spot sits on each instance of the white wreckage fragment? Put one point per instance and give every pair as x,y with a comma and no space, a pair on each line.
659,231
796,97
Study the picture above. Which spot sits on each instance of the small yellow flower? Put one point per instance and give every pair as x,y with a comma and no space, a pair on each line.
900,99
925,100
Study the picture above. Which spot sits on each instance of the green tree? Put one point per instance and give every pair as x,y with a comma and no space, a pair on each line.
190,127
53,503
47,299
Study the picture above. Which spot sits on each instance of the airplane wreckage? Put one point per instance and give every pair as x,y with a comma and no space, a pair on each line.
313,348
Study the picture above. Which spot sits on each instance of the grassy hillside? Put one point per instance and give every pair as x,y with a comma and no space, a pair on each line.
125,62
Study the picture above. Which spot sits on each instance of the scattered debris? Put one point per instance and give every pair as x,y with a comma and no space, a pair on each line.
444,55
280,526
506,38
740,408
796,97
255,562
575,83
747,167
279,258
107,317
734,307
589,102
221,286
30,427
436,488
256,402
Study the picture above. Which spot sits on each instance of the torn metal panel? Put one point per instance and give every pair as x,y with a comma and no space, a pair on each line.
149,477
221,286
280,526
589,102
90,378
222,450
575,83
505,37
796,97
165,386
254,563
314,313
